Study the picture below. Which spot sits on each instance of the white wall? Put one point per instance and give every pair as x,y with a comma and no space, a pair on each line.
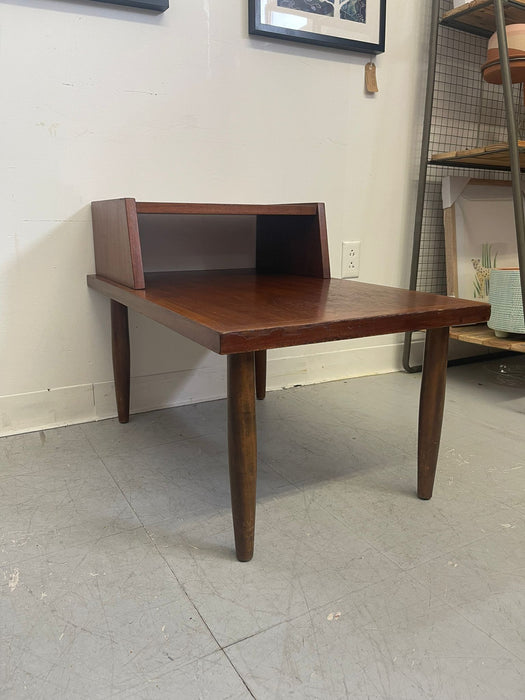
100,101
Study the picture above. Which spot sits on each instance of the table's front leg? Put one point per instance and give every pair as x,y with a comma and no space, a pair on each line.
431,405
242,448
121,357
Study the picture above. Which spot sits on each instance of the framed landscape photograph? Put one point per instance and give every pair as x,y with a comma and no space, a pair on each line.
354,25
154,5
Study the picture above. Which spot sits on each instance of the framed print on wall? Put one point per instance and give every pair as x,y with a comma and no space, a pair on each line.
154,5
354,25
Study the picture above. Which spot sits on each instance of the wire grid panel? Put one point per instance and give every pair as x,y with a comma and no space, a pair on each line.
467,112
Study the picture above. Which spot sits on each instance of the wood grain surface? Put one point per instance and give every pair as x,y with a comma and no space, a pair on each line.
239,310
242,450
309,209
116,241
431,405
478,16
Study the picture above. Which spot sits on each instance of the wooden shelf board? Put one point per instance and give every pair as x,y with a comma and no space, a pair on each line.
482,335
477,17
495,156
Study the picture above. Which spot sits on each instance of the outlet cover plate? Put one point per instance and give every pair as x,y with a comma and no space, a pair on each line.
350,259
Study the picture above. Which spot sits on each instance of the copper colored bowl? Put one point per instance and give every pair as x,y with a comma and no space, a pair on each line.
516,52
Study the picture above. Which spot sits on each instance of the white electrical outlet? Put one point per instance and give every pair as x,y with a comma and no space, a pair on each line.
350,259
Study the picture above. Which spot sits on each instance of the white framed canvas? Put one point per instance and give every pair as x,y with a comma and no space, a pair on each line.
480,233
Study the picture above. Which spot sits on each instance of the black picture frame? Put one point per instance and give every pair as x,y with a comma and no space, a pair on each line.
153,5
375,46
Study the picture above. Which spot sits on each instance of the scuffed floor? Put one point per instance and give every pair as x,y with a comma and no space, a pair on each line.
119,579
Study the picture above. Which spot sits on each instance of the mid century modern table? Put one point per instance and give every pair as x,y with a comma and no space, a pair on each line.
286,297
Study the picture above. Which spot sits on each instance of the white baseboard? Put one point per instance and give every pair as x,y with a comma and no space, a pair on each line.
51,408
40,410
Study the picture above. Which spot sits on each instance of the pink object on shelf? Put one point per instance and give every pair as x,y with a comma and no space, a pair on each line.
516,53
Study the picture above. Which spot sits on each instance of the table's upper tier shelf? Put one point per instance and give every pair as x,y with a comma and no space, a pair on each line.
477,17
226,209
133,237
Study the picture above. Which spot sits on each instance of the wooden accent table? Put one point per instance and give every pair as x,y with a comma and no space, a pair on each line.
287,299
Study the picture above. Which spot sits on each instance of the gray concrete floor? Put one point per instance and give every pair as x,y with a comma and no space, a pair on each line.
119,578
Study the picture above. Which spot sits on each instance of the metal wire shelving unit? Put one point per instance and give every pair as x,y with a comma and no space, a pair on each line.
470,127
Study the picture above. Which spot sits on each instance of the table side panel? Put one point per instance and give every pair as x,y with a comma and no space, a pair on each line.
294,245
116,242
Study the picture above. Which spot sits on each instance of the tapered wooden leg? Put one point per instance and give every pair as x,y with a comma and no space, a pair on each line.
242,448
431,404
260,374
120,348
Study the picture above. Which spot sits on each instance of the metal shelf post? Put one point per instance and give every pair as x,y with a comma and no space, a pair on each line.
512,132
423,165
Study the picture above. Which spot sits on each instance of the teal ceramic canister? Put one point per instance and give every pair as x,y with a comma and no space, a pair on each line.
506,314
